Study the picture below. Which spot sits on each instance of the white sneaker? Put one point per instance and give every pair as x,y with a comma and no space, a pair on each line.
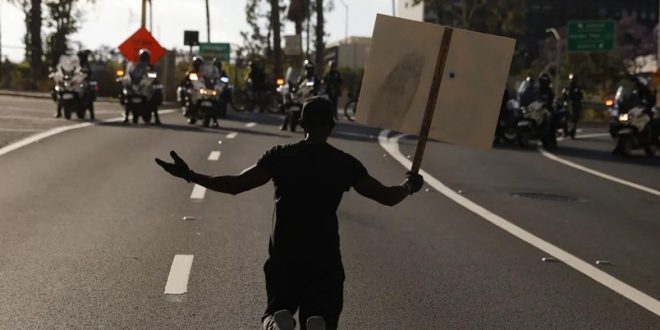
315,323
284,320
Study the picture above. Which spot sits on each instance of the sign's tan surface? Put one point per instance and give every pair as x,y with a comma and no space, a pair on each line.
399,72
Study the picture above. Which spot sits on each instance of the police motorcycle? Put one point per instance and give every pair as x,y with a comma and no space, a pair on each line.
633,123
73,92
205,97
294,94
536,121
141,93
507,122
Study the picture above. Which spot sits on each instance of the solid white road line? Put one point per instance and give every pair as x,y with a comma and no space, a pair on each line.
232,135
34,138
57,130
597,173
252,124
214,156
392,147
20,130
198,192
177,280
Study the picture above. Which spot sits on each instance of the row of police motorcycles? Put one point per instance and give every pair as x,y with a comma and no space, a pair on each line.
535,114
74,92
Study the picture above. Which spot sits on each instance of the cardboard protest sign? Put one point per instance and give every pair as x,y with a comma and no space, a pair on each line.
398,81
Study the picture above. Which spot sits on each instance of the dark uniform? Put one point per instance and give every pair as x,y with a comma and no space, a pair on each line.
572,95
332,81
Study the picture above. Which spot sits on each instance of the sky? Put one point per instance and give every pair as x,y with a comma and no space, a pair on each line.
110,22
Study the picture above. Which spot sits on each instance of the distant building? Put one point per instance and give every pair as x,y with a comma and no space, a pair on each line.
351,52
544,14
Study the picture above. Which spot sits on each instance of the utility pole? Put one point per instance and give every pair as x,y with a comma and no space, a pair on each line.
151,17
144,13
346,20
208,23
394,8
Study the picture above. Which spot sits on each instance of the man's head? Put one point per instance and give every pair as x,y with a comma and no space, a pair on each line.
317,116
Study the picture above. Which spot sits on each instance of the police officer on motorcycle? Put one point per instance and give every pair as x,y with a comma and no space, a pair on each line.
644,97
144,57
545,93
572,95
292,117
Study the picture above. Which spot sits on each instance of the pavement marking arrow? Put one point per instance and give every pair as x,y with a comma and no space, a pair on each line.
177,280
391,145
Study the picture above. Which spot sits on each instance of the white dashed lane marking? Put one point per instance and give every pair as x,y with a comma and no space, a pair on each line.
232,135
253,124
177,280
198,192
214,156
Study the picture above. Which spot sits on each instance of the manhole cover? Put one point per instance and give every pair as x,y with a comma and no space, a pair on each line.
545,197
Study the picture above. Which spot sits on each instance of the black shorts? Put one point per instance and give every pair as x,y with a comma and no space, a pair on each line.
309,288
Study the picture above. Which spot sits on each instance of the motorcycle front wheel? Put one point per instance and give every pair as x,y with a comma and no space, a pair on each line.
624,145
241,102
349,110
273,102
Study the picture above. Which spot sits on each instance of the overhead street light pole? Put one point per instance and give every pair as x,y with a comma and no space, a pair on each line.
346,20
558,61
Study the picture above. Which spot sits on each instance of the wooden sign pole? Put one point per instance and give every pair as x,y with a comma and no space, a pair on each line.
433,98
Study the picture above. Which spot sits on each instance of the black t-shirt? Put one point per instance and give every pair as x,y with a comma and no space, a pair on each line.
310,179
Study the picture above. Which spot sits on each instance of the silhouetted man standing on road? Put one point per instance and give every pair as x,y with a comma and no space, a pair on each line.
304,270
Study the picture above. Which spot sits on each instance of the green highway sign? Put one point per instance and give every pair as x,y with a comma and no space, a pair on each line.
211,50
590,36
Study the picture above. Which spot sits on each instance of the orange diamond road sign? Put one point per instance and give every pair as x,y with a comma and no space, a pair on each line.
141,39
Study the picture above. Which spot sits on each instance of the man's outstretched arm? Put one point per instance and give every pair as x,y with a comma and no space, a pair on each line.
250,178
371,188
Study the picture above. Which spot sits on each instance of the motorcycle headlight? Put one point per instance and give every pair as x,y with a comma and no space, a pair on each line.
624,117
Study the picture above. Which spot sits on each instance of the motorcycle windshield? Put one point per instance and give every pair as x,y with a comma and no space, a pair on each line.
210,74
68,64
292,75
136,71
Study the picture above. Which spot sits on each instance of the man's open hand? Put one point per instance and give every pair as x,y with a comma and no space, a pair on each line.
179,168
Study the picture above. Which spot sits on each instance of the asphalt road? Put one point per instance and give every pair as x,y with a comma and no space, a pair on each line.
91,226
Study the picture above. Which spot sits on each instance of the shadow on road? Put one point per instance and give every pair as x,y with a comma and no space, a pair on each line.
637,158
193,129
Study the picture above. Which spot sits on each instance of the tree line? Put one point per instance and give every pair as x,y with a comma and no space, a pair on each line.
266,19
61,18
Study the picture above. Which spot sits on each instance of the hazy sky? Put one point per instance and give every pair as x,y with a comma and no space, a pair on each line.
109,22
